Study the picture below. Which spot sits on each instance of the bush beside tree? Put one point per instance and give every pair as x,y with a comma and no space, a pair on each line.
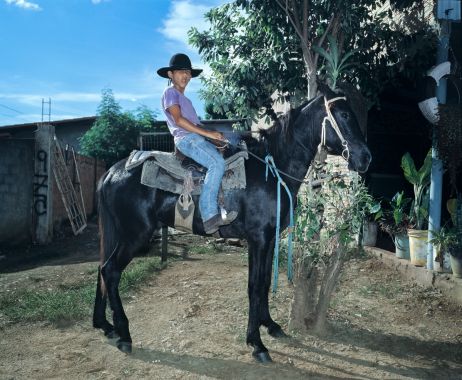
114,134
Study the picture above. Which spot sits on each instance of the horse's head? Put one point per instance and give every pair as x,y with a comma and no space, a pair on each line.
342,133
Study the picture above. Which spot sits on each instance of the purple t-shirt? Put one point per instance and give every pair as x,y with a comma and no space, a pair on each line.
170,97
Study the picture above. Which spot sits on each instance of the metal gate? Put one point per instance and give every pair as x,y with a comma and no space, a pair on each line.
162,141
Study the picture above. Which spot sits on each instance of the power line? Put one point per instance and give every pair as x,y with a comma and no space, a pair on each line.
4,114
12,109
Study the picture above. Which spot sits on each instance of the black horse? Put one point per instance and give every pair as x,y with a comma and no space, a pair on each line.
129,212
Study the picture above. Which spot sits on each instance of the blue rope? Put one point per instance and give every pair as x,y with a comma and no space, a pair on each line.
271,166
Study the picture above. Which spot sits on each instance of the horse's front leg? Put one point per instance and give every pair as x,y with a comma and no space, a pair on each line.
258,250
274,329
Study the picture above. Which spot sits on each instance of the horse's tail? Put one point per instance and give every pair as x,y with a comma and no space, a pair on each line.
107,226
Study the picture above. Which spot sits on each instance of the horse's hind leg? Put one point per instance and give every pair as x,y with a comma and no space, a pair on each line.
99,311
111,273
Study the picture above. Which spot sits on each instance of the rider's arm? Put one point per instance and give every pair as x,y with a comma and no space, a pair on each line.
184,123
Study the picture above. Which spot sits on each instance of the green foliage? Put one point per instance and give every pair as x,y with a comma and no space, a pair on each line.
454,206
337,210
395,219
449,140
420,179
114,134
145,119
335,65
255,52
445,238
249,59
213,112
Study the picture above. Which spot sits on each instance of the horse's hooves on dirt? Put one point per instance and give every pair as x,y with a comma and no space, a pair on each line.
125,347
262,357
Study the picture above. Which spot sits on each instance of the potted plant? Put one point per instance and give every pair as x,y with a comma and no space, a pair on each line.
420,179
444,240
396,222
373,213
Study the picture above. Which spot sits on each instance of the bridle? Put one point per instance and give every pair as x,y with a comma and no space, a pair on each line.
329,117
321,151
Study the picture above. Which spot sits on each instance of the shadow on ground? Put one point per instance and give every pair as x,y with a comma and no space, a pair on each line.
223,369
69,249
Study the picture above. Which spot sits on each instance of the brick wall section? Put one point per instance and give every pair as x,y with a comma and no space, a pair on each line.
90,170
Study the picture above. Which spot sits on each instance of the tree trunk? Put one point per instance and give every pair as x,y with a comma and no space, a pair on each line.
305,288
328,283
312,86
310,71
309,306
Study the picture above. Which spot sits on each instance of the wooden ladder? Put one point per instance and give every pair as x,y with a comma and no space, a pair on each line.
73,204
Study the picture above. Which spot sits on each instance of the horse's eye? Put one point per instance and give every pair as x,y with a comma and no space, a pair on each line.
345,115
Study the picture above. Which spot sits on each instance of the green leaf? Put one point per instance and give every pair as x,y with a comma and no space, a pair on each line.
424,172
408,166
333,49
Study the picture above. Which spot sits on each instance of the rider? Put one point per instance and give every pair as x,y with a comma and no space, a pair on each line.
190,138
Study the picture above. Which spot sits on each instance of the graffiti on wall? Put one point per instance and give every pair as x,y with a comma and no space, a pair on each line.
41,183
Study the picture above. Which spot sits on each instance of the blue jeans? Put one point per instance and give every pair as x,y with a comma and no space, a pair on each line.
203,152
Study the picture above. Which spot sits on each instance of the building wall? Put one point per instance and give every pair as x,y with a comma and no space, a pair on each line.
17,190
21,201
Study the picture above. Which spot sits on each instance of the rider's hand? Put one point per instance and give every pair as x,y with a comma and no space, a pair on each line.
215,135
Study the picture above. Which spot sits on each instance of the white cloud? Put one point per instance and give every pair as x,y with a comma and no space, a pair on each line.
24,4
183,15
99,1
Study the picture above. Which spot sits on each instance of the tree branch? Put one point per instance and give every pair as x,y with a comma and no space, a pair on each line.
333,20
305,20
291,19
326,32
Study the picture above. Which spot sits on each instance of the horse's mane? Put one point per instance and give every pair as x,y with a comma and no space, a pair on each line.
279,135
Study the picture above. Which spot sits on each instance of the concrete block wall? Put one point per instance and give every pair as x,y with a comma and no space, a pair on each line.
16,190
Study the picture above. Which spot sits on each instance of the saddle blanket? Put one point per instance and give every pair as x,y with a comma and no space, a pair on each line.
164,171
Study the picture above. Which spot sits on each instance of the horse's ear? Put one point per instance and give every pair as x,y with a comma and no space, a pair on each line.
325,90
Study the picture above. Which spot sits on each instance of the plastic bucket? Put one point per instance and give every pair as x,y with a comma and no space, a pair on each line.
402,246
370,234
418,247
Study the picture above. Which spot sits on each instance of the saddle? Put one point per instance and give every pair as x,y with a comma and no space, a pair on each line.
176,173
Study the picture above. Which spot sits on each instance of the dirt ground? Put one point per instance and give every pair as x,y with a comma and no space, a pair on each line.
189,322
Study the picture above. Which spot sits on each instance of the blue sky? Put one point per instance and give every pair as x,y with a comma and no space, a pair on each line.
69,50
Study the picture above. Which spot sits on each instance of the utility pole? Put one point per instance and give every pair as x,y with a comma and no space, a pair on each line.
44,112
447,11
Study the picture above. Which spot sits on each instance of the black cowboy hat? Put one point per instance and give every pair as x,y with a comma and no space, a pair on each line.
179,62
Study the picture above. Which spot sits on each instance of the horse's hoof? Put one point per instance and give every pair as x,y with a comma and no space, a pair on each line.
262,357
125,347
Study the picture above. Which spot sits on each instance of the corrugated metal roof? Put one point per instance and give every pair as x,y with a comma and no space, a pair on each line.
60,123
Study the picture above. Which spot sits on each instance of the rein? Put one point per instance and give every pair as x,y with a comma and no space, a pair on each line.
274,171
